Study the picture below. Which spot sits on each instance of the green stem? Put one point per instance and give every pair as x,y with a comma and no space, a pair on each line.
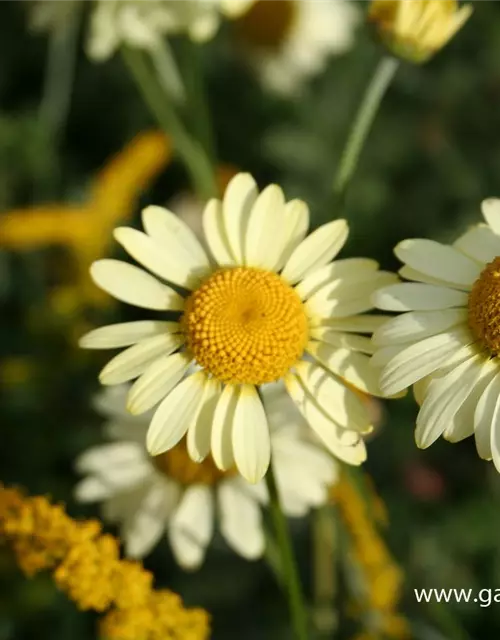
368,108
324,529
59,74
290,572
190,150
192,71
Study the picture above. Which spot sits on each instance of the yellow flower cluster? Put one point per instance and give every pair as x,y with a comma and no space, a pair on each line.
382,577
86,565
85,229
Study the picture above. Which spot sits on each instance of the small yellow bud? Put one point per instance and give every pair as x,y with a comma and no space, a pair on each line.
415,30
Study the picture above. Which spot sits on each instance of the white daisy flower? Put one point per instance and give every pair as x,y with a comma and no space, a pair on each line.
172,494
289,41
448,340
270,306
142,23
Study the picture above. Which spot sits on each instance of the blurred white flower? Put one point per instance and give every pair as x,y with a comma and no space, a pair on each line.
143,23
288,41
172,494
46,15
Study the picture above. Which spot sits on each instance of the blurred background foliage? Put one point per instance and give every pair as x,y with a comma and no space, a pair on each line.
433,155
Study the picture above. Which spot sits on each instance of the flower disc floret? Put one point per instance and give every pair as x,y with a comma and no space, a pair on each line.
245,326
484,307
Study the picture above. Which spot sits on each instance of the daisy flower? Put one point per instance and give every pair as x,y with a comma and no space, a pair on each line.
142,23
270,306
288,41
169,493
448,339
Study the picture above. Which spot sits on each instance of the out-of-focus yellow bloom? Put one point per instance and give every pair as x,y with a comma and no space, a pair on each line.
17,370
85,229
381,577
417,29
87,567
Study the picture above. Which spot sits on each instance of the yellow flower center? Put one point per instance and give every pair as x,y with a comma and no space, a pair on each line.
484,307
267,23
245,326
177,465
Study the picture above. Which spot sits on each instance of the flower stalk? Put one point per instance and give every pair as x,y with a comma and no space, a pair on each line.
289,566
370,103
190,150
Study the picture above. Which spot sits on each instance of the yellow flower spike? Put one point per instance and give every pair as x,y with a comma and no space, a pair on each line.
87,567
382,577
85,229
415,30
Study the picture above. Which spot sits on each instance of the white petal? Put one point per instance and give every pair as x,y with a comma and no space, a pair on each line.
407,273
157,381
124,334
422,358
337,401
238,201
417,325
175,414
346,445
93,489
222,427
293,452
356,269
319,248
462,425
438,260
234,8
296,223
142,530
215,233
344,340
169,264
118,467
191,526
251,443
367,323
241,520
484,417
104,456
134,286
412,296
174,235
479,243
199,435
264,235
443,400
491,212
353,367
136,359
346,297
384,355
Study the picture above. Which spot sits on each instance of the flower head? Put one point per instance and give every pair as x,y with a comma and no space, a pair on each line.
415,30
270,306
447,341
143,23
170,493
288,41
